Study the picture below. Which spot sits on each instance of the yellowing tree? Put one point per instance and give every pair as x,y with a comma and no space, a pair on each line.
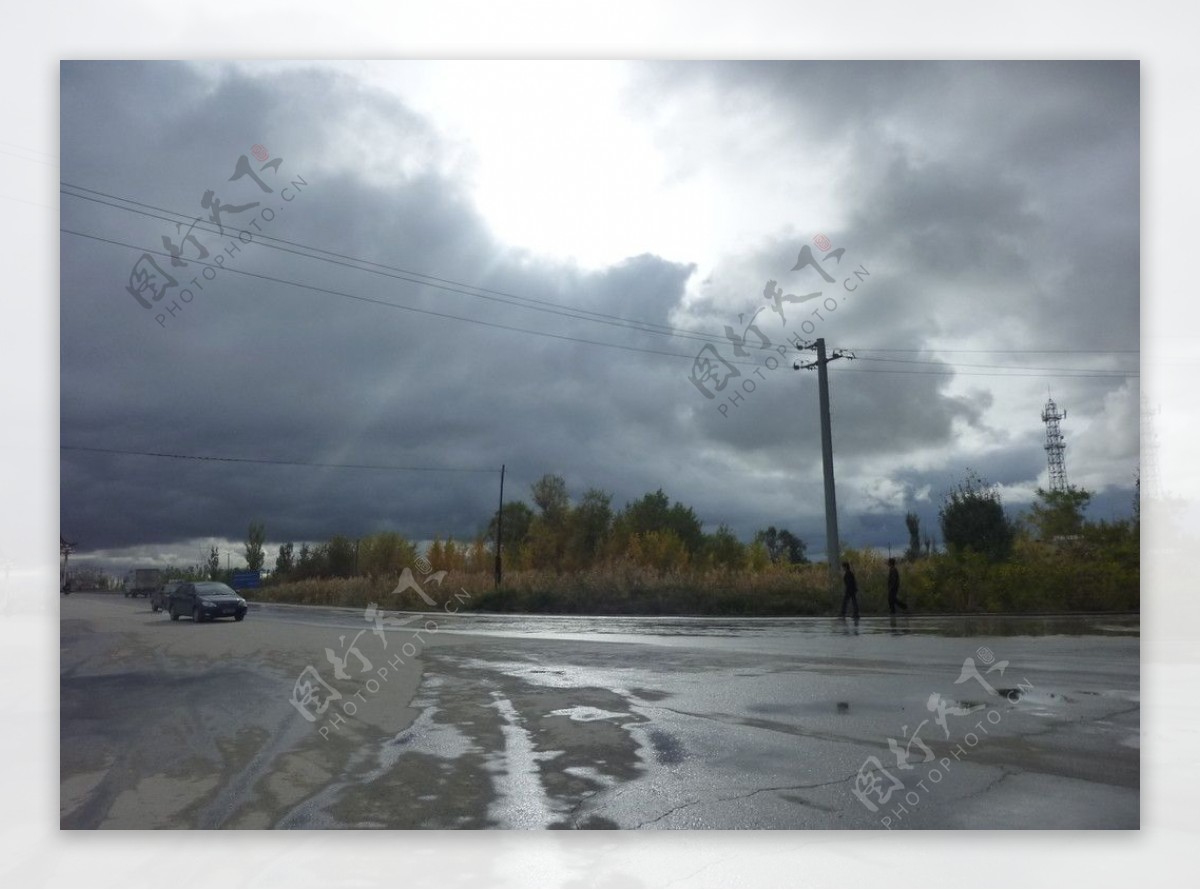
436,554
480,557
454,556
757,556
663,551
384,554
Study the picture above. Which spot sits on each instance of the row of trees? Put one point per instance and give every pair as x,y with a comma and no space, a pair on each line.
560,535
556,534
973,519
378,555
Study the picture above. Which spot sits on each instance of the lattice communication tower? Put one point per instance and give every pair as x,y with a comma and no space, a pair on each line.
1055,446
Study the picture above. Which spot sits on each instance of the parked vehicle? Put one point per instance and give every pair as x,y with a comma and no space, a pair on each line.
161,597
206,600
142,582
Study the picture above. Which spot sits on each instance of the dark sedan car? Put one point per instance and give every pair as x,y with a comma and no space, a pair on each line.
206,600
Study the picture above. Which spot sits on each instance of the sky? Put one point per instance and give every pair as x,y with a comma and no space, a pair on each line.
517,263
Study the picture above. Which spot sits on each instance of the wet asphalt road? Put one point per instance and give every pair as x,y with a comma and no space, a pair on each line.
467,721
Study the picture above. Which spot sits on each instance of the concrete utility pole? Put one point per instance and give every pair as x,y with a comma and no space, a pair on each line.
832,548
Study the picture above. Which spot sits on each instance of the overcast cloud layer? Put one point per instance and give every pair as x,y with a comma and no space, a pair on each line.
995,207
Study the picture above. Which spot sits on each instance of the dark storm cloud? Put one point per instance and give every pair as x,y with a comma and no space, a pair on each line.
995,204
990,230
257,368
1018,179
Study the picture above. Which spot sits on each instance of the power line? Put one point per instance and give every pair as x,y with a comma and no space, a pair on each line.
913,361
290,463
476,321
997,352
1039,374
401,274
378,302
500,296
506,297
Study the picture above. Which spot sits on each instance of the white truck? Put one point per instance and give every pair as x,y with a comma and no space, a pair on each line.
142,582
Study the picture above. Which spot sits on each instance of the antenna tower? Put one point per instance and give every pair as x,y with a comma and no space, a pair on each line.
1055,446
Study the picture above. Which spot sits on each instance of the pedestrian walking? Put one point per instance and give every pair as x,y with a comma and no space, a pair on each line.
851,595
894,588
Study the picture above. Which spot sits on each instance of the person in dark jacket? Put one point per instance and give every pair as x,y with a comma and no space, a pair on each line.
851,595
894,588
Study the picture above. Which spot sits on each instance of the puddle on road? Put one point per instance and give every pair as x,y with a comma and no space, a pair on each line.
601,627
668,750
425,736
521,801
586,714
545,749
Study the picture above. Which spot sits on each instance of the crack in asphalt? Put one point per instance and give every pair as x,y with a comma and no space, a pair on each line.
1005,773
684,806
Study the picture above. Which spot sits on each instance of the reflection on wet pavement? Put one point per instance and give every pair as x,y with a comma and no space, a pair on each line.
587,722
729,741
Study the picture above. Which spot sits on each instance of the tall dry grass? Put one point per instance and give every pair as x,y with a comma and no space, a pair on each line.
1037,579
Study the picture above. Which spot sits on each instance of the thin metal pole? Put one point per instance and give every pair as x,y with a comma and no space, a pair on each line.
500,530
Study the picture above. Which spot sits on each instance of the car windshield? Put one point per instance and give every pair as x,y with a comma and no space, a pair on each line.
214,588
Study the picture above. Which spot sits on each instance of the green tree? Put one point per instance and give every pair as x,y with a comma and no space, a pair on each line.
214,563
722,550
769,538
517,519
255,555
655,513
972,518
550,497
546,541
782,546
313,562
794,548
1058,514
341,557
545,545
757,556
589,525
385,554
285,562
1117,542
913,523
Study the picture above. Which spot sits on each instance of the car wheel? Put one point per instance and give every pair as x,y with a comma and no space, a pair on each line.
153,608
239,616
196,616
174,614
